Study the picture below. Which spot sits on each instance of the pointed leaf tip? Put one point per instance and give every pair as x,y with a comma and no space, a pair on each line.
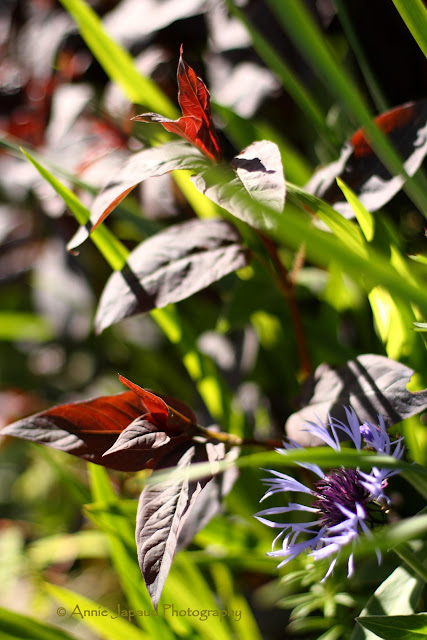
196,124
152,403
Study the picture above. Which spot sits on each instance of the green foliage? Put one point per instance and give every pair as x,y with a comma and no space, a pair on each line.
237,353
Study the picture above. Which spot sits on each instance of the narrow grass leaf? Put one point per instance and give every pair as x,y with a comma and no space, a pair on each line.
116,61
25,327
414,14
364,217
16,626
112,250
108,626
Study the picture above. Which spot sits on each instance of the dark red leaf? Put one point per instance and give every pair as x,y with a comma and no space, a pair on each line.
153,404
174,417
170,266
371,384
362,171
196,124
86,429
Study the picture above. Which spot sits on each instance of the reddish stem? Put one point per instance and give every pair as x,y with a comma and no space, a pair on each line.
287,287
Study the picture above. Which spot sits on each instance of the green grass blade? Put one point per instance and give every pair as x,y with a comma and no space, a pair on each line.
289,81
186,588
19,325
294,230
200,367
325,457
15,626
300,27
116,61
374,88
106,623
113,519
365,219
109,246
414,14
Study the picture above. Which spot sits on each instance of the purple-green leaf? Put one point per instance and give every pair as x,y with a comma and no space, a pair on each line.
170,266
371,384
148,163
361,169
258,173
164,516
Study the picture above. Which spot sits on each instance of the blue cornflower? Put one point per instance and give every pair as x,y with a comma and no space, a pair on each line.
346,502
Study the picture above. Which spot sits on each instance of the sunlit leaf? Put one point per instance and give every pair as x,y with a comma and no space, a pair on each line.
412,627
371,384
258,172
363,172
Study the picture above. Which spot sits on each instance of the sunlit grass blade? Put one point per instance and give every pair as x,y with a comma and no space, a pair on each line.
414,14
117,62
201,368
300,27
365,219
325,457
67,547
186,588
242,619
19,325
108,245
108,625
119,527
293,228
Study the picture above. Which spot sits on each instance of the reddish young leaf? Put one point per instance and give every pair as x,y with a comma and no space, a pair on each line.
362,171
133,429
85,429
175,418
196,124
154,405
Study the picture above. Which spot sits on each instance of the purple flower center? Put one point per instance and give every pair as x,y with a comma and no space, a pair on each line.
339,486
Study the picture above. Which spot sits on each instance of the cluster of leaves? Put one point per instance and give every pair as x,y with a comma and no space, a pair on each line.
248,220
